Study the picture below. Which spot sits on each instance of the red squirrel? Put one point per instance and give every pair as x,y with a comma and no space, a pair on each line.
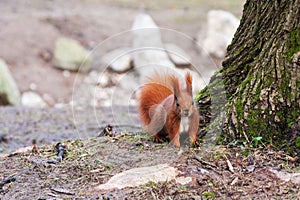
165,106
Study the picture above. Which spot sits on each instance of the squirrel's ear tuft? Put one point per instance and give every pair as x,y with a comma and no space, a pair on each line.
188,80
175,84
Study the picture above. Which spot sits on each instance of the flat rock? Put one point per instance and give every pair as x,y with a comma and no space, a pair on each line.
178,56
70,55
221,26
149,52
286,176
32,99
9,92
119,60
140,176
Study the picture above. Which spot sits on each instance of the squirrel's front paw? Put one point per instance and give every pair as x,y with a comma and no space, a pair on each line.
158,139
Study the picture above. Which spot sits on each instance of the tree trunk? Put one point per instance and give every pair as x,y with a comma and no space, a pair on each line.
261,77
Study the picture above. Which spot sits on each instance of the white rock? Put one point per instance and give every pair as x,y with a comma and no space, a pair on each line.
140,176
9,92
177,55
119,60
149,52
103,80
221,26
70,55
183,180
32,99
286,176
66,73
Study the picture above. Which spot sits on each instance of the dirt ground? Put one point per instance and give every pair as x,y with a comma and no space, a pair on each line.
29,30
93,161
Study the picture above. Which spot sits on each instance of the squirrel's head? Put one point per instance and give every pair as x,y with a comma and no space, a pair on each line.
183,97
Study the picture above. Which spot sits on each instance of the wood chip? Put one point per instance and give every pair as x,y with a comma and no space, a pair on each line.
235,180
229,165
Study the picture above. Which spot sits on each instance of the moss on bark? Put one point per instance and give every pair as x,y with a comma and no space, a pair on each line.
261,77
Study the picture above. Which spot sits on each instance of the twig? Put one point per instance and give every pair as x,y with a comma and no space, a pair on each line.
204,162
7,180
62,191
12,178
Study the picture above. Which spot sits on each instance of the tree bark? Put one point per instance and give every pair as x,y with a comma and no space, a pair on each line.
261,77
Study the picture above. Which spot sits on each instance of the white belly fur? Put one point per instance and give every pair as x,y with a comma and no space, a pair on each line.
184,125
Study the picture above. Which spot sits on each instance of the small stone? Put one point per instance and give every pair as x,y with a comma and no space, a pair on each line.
183,180
70,55
32,99
286,176
118,60
66,73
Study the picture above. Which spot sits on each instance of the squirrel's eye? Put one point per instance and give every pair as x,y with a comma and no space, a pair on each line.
193,102
177,104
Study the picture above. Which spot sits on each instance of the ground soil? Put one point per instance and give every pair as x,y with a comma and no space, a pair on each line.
93,161
29,30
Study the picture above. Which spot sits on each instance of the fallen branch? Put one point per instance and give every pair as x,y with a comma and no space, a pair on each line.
204,162
62,191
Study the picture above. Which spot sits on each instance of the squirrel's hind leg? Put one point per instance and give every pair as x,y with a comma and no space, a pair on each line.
158,117
161,136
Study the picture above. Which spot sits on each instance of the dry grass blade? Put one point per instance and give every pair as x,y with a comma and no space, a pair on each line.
230,167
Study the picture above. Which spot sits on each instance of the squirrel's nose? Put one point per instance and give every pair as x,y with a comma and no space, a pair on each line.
185,113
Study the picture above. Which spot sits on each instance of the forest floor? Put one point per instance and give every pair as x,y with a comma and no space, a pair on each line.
91,158
31,28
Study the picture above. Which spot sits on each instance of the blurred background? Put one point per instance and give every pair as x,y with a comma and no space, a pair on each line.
44,42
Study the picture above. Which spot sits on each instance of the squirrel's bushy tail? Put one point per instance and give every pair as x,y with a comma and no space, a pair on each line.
157,88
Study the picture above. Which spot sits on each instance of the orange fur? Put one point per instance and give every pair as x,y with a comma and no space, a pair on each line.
188,78
162,104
